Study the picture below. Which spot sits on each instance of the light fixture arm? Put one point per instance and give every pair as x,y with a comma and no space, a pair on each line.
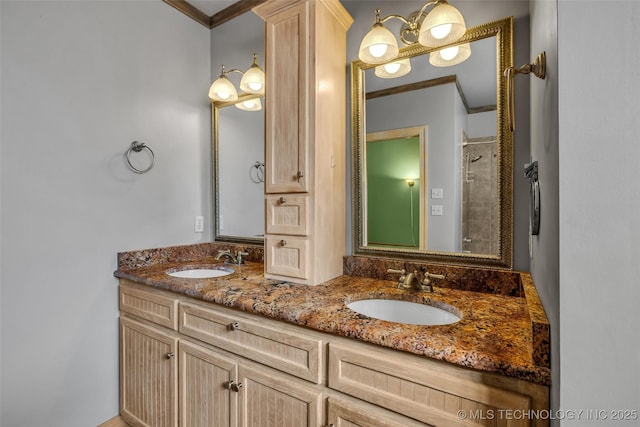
538,68
413,20
224,73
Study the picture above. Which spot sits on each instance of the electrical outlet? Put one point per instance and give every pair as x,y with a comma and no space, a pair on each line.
436,210
437,193
198,224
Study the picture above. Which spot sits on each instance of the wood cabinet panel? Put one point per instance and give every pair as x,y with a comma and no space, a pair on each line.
205,397
151,306
268,400
287,214
294,353
286,125
287,256
349,413
426,390
148,375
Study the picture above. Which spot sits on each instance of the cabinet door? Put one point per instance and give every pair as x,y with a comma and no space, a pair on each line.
206,377
288,214
272,400
341,413
148,375
286,256
287,99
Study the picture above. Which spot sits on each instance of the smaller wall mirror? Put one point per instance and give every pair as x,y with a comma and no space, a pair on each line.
432,155
238,160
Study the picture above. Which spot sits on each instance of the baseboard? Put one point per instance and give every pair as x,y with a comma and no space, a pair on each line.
116,421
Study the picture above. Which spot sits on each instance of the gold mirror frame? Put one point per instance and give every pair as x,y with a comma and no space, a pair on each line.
215,120
502,30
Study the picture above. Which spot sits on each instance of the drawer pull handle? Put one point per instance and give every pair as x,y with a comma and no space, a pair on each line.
282,200
169,355
283,243
233,326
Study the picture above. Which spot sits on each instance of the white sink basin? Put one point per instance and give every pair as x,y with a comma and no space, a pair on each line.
202,273
406,312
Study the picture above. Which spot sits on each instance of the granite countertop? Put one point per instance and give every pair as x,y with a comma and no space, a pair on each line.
497,333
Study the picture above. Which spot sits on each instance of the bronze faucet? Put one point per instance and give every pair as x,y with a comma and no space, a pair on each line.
411,281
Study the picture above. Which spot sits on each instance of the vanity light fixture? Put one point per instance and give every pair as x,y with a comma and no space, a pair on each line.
441,26
394,69
252,82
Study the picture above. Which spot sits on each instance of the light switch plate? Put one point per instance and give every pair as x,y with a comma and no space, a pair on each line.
437,193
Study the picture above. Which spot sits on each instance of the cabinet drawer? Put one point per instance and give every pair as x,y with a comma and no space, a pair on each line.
288,351
287,214
426,390
151,306
287,256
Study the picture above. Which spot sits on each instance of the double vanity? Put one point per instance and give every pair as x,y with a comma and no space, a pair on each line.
302,335
241,349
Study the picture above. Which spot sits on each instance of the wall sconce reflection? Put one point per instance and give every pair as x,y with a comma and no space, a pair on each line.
252,82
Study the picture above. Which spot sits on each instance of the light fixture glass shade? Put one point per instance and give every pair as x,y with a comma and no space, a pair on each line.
223,90
250,105
450,56
393,69
378,46
443,25
253,80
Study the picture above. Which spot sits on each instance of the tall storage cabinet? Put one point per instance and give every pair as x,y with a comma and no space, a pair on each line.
305,131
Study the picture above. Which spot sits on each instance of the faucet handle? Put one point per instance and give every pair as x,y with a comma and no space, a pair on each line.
428,275
239,255
426,280
402,273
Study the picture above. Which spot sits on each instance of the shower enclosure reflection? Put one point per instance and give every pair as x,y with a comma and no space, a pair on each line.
479,195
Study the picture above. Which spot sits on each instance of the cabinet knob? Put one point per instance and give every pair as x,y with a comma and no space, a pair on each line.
300,175
283,243
234,326
169,355
233,386
283,200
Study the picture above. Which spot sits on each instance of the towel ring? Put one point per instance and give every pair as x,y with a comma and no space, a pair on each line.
138,147
258,177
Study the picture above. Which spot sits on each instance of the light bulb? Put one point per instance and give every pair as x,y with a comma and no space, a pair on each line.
223,94
392,68
250,105
378,50
449,53
441,31
256,86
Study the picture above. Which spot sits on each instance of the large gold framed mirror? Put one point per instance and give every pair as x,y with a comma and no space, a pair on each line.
238,167
449,200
